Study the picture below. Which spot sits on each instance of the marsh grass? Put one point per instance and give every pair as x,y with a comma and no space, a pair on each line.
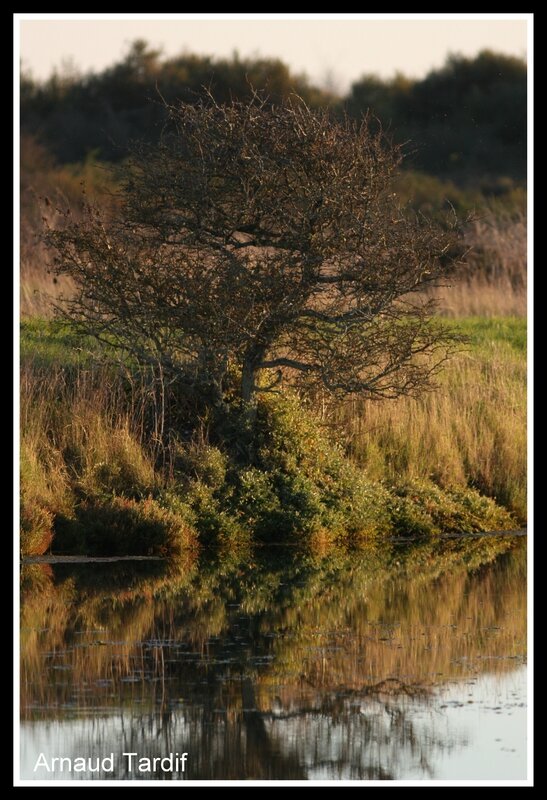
79,444
494,281
470,432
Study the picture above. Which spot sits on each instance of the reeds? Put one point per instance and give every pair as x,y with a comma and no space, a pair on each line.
494,283
80,442
470,431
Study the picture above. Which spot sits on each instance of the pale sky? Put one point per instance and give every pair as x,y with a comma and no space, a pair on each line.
339,50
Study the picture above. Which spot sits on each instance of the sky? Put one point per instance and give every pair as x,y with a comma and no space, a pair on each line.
332,52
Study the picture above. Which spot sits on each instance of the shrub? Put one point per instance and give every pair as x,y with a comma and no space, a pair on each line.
201,461
121,526
422,508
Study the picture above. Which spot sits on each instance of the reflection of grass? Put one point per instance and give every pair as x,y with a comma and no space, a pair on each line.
346,619
72,610
420,622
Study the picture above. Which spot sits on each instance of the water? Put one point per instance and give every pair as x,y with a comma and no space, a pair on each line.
405,661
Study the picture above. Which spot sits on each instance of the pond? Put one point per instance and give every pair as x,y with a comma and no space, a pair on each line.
402,661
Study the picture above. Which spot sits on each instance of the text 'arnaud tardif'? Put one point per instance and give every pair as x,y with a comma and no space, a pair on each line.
132,762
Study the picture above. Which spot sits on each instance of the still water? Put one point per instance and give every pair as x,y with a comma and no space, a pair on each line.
405,661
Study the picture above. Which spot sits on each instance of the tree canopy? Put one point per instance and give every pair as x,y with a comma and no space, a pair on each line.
263,241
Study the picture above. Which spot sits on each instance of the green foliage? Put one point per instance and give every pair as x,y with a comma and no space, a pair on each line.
120,527
202,462
317,487
302,486
125,475
258,503
420,508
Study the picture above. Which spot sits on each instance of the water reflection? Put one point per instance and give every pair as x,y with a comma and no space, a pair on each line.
272,665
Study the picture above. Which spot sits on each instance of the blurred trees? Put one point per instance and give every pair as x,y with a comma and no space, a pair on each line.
73,115
462,127
465,121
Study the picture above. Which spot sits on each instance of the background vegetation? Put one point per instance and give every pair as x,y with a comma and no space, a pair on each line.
464,126
466,121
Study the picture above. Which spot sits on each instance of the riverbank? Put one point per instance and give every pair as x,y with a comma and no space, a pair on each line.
98,476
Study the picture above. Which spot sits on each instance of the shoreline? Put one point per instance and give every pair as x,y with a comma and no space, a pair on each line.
85,559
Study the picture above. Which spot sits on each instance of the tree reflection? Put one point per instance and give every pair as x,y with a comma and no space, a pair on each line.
270,666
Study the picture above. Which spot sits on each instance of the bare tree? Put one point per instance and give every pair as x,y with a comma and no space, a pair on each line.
262,240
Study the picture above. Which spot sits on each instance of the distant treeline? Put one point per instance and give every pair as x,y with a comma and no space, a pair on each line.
465,121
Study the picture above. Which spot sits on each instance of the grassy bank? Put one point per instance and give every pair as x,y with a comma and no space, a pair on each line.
99,476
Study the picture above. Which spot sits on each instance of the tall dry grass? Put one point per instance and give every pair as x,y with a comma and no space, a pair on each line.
46,189
494,282
39,291
79,439
471,431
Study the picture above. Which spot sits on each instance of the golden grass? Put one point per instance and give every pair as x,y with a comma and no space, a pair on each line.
77,441
471,431
39,291
83,421
478,295
493,283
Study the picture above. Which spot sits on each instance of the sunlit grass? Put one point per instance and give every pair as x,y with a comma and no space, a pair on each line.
470,431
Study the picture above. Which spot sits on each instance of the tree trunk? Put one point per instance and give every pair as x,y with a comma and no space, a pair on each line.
248,395
248,382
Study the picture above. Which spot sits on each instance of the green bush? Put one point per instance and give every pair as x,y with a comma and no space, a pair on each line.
202,462
299,485
121,527
422,508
